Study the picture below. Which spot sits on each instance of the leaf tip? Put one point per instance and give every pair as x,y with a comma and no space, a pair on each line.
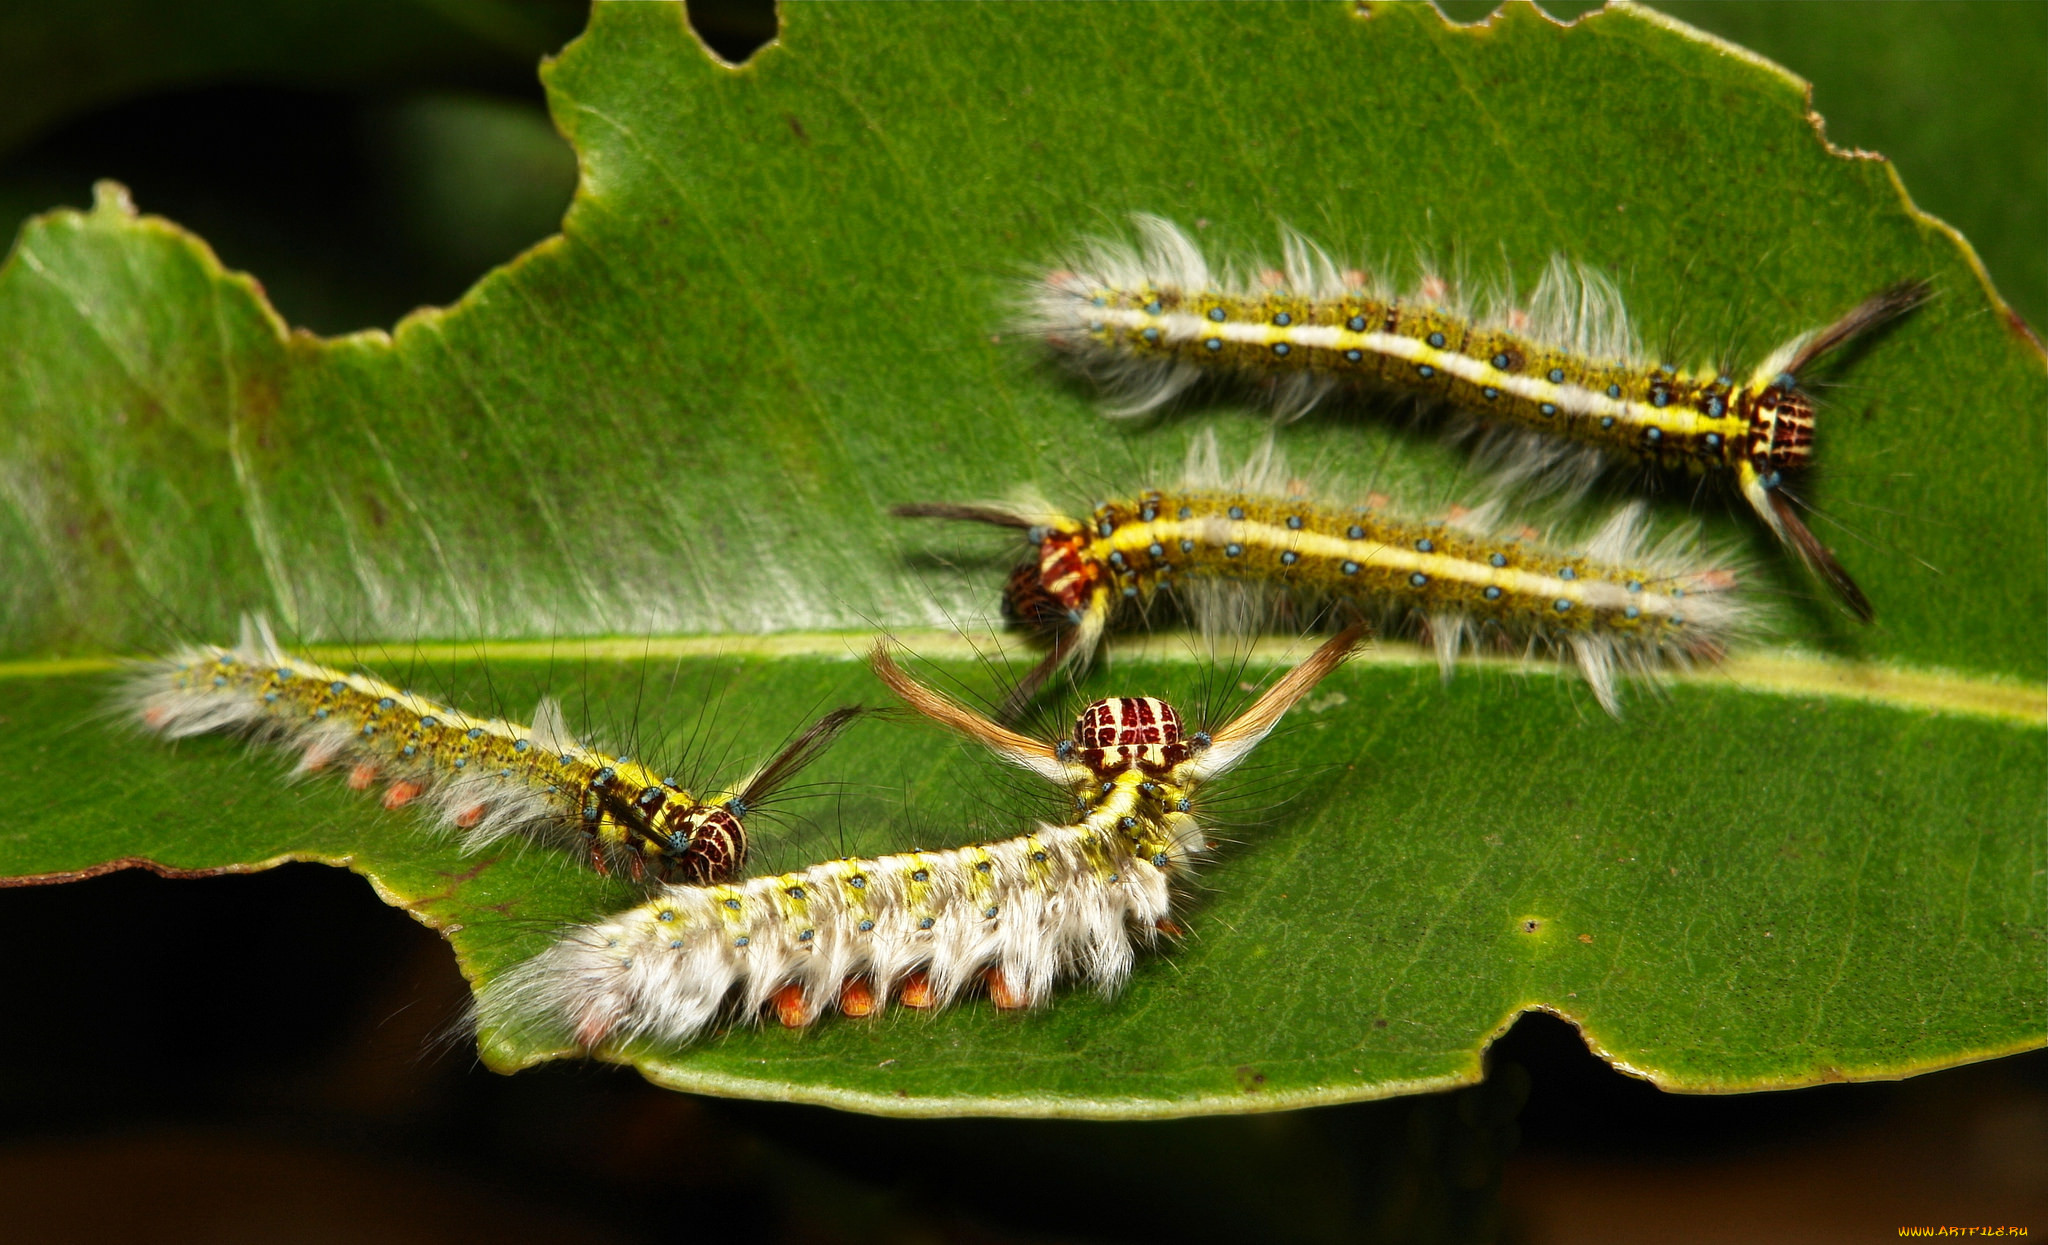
111,198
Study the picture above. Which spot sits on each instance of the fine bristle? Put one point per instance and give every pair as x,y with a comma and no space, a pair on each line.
1013,918
1572,308
1886,304
1819,557
486,781
1019,750
1553,390
915,926
1251,548
1229,744
1069,646
807,747
997,515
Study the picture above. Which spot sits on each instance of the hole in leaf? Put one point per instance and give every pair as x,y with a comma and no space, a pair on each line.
377,184
1578,1103
733,29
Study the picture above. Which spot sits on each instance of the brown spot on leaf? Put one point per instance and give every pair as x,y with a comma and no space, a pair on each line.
2022,329
136,862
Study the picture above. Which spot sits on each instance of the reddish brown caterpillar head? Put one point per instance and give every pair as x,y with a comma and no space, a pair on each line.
1051,591
1780,429
1781,418
701,844
1114,735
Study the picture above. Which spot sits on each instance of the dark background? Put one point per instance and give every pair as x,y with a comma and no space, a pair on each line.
174,1069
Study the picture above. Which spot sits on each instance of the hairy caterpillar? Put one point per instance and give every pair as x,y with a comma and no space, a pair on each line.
1565,371
1068,901
1616,605
487,779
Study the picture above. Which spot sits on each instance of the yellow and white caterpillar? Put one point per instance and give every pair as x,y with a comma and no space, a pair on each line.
1616,604
1073,901
486,779
1564,377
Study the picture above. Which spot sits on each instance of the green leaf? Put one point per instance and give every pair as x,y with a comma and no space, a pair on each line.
778,305
1948,102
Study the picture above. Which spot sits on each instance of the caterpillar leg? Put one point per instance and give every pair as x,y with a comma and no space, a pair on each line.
916,990
791,1009
592,1032
857,998
1002,994
597,856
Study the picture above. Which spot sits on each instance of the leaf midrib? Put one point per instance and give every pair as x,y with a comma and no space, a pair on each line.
1787,672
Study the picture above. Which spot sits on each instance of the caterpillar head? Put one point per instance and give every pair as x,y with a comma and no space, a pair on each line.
1061,590
705,843
1054,589
1122,734
1131,732
1780,429
698,843
1780,414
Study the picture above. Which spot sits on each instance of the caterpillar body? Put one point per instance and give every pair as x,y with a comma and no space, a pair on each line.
1565,371
1616,605
486,779
1073,901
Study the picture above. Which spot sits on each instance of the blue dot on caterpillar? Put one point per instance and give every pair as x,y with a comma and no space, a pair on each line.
1013,918
486,780
1560,375
1616,604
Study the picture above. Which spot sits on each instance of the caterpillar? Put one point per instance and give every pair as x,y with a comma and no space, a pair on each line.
487,779
1619,604
1072,901
1564,371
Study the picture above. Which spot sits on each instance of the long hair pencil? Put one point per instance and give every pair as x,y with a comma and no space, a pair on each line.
486,779
1617,603
1563,377
1015,917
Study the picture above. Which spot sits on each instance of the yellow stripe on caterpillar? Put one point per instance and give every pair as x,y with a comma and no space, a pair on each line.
1016,916
487,779
1618,604
1153,319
